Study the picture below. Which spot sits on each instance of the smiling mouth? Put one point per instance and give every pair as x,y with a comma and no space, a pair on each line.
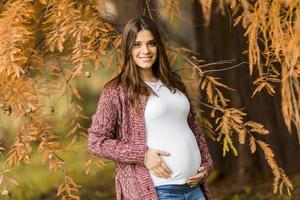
145,58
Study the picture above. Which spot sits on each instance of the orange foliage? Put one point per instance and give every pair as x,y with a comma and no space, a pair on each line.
34,43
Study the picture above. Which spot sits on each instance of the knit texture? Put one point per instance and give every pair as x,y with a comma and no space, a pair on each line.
117,133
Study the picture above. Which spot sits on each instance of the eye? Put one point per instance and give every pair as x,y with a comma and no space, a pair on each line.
152,44
136,44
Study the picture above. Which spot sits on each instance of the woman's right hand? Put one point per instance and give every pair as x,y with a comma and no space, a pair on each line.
154,163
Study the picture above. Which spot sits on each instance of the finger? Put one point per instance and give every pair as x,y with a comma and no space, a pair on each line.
193,180
196,179
163,153
201,169
158,173
166,168
192,184
154,173
163,172
197,176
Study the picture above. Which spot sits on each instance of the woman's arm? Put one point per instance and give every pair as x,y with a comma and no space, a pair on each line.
205,156
102,138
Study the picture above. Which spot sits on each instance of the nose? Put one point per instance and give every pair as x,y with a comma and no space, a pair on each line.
145,49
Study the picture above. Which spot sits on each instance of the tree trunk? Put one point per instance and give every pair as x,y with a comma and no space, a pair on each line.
220,41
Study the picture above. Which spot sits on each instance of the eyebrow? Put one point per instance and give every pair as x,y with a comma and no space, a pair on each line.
147,42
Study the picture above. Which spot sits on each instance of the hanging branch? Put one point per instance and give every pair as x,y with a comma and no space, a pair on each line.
230,121
73,32
272,30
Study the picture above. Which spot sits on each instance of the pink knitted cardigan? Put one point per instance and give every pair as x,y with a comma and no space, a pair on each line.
117,133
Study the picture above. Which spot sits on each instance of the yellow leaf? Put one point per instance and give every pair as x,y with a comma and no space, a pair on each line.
259,88
225,147
252,144
88,163
74,140
13,181
209,92
203,84
87,171
242,136
227,137
270,89
75,92
214,81
74,129
261,131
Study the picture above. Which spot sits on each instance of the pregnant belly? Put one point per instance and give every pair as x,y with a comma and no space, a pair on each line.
184,159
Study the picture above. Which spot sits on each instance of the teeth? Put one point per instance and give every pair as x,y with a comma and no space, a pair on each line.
145,59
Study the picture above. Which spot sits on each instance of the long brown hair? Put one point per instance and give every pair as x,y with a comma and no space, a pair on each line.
129,76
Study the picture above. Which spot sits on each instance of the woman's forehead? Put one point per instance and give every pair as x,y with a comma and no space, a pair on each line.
144,35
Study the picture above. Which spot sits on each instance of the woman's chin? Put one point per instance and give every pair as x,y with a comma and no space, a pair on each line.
145,67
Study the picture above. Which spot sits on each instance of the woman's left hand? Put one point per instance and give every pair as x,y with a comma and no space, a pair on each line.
194,180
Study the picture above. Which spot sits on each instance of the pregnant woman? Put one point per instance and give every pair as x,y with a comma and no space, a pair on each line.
145,123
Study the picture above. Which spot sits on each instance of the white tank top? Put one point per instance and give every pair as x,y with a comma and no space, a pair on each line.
167,129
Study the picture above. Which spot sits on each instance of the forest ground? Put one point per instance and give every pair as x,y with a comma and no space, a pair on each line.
99,185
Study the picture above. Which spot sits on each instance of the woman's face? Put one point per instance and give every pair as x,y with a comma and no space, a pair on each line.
144,51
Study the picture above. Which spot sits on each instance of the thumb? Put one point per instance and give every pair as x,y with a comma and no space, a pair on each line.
201,169
163,153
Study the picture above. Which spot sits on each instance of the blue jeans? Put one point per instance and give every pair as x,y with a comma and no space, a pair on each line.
179,192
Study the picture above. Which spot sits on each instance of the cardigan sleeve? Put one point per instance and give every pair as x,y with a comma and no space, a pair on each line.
102,134
198,132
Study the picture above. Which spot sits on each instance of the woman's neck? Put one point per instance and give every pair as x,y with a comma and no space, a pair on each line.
147,75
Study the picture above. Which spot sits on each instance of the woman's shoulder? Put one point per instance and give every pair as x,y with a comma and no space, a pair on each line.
113,88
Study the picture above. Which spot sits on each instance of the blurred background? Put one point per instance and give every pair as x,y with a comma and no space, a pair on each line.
246,176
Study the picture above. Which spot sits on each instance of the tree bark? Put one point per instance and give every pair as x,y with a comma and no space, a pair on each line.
221,41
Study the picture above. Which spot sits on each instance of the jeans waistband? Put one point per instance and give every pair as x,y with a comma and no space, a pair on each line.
179,188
